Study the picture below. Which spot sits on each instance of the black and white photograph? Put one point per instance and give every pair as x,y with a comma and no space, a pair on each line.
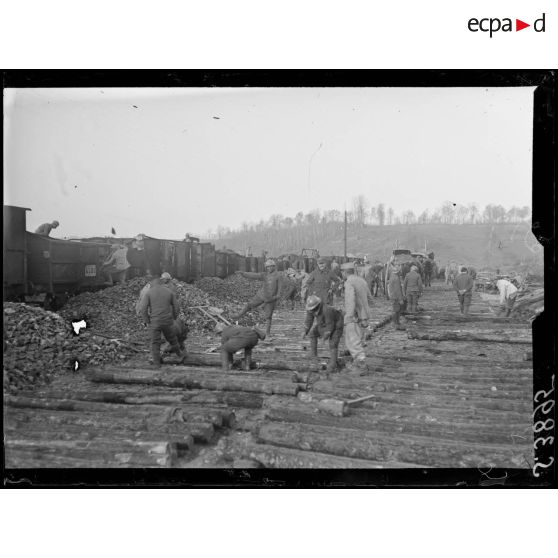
239,276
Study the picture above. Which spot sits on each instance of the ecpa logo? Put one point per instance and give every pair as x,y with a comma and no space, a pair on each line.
492,25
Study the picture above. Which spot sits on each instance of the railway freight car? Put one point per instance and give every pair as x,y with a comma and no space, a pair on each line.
40,266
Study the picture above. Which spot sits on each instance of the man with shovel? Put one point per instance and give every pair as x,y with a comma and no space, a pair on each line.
268,295
328,325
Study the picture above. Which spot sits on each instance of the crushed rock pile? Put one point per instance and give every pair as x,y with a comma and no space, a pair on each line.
235,287
39,344
112,311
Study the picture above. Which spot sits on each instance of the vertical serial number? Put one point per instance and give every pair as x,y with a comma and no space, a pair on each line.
543,425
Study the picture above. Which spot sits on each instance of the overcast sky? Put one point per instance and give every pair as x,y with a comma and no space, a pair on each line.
169,161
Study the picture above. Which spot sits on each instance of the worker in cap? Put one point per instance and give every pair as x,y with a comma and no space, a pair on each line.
463,284
322,281
116,266
235,338
357,316
45,228
289,287
395,294
508,294
267,296
326,322
412,288
166,281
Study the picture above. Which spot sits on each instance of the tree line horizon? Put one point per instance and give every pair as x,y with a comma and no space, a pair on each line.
363,214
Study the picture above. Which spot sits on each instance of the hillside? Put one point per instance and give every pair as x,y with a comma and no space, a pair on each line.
503,246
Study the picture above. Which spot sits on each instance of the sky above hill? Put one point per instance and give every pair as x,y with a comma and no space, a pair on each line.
167,161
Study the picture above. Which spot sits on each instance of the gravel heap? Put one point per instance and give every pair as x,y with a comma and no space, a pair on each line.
39,344
235,287
112,312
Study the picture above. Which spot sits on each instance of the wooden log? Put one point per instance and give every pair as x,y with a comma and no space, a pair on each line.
464,336
421,424
21,459
285,364
138,453
38,431
377,447
92,406
193,380
138,395
181,413
484,319
18,418
274,457
37,458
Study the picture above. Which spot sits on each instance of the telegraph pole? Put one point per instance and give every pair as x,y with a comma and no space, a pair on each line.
345,234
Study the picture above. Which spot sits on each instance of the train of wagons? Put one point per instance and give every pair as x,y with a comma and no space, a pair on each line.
40,268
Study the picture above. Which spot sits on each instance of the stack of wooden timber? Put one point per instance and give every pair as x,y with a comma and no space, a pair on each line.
52,430
437,403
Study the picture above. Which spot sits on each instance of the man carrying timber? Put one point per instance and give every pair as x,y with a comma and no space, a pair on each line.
463,284
395,293
160,309
357,314
326,322
321,282
268,295
412,288
235,338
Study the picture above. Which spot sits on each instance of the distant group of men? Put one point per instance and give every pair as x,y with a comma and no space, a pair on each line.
159,309
322,319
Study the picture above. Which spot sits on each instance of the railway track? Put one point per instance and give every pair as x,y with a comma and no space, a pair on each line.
437,403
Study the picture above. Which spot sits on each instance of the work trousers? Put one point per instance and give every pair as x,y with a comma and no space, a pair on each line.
119,276
397,308
334,338
506,308
354,335
155,330
413,298
268,307
465,302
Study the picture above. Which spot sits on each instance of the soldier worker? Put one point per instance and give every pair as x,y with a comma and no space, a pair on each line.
117,265
412,288
328,325
463,284
357,314
320,282
303,278
335,267
234,338
508,294
45,228
290,288
142,294
395,293
268,295
427,267
159,310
